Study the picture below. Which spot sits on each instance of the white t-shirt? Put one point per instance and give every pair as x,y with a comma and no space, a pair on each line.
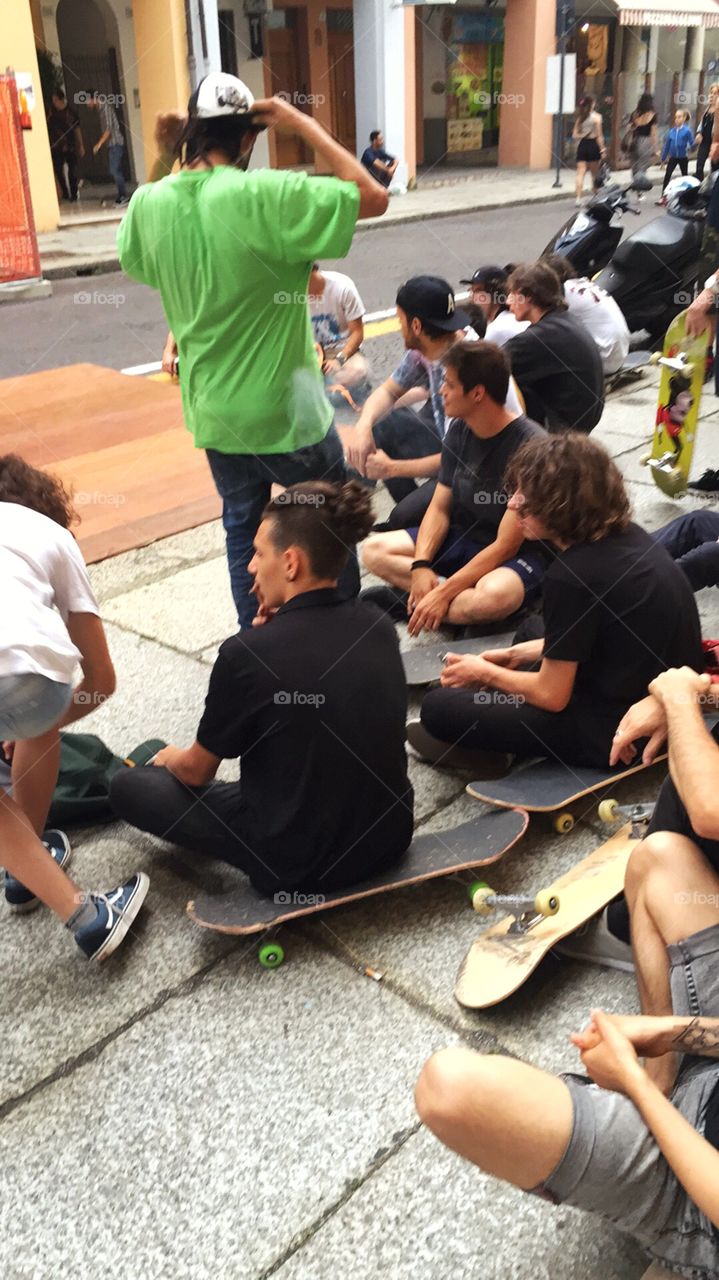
602,319
331,314
503,327
43,579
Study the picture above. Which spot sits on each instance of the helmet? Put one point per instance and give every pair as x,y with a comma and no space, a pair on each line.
219,94
681,186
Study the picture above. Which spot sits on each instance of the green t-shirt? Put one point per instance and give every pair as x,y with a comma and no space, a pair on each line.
230,253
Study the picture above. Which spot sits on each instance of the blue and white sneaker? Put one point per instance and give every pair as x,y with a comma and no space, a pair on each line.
115,913
20,899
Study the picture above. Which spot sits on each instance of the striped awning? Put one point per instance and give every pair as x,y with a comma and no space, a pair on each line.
669,13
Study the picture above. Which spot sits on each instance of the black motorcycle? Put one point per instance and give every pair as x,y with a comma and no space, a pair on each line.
591,235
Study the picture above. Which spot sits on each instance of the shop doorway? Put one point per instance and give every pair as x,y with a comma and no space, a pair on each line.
289,75
340,51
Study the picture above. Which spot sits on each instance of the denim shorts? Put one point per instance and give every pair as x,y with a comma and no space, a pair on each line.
457,550
30,704
613,1166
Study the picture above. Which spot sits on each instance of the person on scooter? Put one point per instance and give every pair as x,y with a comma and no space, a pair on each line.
596,311
555,363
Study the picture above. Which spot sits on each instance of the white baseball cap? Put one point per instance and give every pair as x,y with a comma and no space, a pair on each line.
219,94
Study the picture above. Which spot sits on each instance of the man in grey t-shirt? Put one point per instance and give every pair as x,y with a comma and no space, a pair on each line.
113,137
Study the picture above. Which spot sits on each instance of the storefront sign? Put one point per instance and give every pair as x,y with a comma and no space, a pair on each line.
464,135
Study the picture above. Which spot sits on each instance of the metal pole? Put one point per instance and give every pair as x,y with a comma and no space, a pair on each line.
560,115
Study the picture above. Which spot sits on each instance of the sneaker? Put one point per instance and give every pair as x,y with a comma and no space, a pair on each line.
390,600
115,913
594,944
482,764
21,900
122,200
707,483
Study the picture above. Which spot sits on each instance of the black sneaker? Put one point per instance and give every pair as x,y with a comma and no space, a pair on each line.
708,483
115,913
21,900
390,600
481,764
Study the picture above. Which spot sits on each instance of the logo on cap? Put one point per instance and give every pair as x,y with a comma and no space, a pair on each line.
450,304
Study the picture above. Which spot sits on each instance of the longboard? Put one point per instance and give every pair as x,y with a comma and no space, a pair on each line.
477,843
683,366
503,957
423,663
545,786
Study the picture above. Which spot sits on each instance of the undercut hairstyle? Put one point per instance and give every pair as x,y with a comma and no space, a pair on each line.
219,133
325,520
480,364
563,267
540,284
374,134
30,487
572,485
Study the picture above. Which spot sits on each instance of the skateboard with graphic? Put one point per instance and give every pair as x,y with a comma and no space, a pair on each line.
683,368
507,954
548,786
477,843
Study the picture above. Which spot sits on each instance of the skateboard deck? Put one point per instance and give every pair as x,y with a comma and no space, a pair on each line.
683,367
543,786
635,362
423,664
476,843
504,957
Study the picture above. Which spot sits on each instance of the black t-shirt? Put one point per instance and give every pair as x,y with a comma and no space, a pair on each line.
623,611
558,369
474,470
61,126
315,703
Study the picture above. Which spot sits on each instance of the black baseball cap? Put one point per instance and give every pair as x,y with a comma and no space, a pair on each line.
431,299
487,278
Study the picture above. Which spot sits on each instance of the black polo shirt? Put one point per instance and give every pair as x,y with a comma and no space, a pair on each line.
314,703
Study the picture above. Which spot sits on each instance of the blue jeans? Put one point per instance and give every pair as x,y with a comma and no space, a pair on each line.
244,480
115,154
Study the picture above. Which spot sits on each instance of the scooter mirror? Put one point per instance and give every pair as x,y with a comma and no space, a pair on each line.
641,183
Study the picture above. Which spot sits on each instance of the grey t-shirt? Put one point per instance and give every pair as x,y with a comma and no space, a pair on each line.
474,470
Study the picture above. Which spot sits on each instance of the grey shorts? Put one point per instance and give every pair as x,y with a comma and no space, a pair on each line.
613,1166
30,704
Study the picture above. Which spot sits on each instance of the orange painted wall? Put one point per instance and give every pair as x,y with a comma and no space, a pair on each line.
161,42
525,130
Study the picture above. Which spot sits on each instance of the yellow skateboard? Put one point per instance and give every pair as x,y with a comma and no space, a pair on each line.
683,366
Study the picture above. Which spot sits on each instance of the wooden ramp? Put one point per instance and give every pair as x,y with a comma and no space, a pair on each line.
119,444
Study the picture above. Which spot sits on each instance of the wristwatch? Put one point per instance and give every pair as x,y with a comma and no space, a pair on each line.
341,359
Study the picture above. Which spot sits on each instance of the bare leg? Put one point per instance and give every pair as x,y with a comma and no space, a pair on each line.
512,1120
389,556
593,167
35,766
581,170
29,861
672,892
495,596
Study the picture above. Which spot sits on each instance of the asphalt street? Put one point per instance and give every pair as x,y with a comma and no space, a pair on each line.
109,320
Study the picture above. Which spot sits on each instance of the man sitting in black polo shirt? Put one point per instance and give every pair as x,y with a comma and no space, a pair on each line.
616,612
324,799
555,363
467,536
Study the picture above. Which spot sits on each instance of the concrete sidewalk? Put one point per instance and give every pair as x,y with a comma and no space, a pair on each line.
183,1113
79,249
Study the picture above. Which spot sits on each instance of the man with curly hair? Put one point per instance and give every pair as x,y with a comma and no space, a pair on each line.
616,612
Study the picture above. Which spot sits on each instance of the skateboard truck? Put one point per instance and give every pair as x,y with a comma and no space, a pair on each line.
610,811
527,910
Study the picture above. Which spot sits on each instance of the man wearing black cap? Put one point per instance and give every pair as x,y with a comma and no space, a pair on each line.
488,291
398,445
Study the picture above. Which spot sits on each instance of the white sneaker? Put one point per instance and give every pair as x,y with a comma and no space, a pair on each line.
594,944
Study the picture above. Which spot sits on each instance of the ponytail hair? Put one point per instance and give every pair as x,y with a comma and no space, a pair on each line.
325,520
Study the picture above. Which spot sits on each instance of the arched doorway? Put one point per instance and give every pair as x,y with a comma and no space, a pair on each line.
89,48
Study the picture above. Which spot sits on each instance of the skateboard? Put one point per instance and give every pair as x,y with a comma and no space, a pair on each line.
635,362
506,955
683,367
476,843
546,786
423,663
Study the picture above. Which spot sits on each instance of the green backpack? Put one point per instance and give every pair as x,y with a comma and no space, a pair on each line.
87,766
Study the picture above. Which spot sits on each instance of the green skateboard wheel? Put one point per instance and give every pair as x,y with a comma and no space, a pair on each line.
271,955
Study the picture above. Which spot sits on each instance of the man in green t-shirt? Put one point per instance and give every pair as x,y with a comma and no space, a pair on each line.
231,252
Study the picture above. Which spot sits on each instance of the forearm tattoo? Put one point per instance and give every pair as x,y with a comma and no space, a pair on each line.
700,1037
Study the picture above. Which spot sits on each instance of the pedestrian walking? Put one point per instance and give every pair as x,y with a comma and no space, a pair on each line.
113,138
587,133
